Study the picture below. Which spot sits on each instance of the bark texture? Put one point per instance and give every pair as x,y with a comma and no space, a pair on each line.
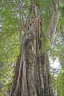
32,76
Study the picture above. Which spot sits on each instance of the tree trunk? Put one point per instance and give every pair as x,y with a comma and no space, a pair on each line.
32,73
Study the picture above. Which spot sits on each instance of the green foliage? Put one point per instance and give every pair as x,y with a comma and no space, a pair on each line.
9,42
45,44
46,7
9,38
61,8
58,83
54,82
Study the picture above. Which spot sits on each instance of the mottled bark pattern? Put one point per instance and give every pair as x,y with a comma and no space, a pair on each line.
32,76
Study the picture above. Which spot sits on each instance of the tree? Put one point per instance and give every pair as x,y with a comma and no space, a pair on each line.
58,81
32,72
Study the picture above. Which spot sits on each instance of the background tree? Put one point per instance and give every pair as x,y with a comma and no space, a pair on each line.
58,52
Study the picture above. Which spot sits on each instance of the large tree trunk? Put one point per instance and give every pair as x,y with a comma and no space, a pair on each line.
32,73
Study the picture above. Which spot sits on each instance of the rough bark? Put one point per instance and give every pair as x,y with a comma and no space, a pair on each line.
32,74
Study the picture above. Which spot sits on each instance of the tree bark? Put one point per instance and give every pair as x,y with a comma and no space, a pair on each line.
32,72
53,23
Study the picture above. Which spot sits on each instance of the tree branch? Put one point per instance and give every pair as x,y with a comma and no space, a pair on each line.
54,3
53,24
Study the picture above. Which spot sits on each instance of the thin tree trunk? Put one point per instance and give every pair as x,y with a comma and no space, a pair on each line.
53,23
